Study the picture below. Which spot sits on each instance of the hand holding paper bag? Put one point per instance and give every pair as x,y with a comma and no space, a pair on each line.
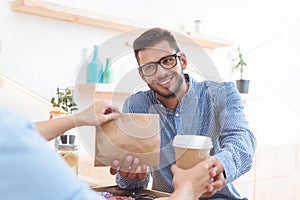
137,135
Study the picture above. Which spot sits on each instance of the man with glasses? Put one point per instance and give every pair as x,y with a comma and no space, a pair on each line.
186,106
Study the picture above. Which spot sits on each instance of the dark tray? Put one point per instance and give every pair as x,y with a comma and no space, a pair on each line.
138,194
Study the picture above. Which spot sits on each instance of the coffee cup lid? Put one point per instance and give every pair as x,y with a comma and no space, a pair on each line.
192,141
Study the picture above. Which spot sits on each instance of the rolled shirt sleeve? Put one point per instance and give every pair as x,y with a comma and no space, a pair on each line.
237,142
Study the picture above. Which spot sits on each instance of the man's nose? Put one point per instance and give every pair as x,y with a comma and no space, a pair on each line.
160,70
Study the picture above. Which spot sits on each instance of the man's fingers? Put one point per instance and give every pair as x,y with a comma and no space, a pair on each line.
113,171
174,168
134,169
213,172
123,174
114,167
130,168
143,173
219,183
210,188
126,165
210,162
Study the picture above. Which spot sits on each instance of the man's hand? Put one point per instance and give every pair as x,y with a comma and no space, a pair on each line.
130,168
218,179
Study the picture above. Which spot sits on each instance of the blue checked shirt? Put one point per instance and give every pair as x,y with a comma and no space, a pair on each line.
208,108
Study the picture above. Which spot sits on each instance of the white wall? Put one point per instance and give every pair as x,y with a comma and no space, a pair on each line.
16,99
41,53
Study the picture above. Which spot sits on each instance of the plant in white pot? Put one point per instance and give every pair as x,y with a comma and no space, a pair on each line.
242,84
64,105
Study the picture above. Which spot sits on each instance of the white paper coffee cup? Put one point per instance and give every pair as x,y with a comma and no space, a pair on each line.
191,149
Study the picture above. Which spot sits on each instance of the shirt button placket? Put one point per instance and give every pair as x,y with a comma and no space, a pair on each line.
177,121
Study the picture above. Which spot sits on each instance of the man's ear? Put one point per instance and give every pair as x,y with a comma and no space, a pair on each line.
183,61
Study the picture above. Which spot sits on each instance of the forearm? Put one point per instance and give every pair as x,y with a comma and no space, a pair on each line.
183,192
50,129
96,114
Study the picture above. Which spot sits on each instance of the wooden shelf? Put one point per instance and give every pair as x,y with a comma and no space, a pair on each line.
71,14
101,88
66,13
104,91
208,41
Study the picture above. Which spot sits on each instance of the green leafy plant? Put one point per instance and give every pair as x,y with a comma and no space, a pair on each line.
64,100
240,63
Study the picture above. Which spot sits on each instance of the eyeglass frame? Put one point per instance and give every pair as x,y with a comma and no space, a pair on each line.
176,55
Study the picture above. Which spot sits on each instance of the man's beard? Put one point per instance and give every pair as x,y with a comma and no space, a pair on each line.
171,94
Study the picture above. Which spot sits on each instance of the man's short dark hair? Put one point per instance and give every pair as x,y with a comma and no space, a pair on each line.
152,37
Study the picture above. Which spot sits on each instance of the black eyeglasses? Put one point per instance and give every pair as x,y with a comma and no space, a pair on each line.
166,62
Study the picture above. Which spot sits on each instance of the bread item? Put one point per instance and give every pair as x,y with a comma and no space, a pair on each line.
121,198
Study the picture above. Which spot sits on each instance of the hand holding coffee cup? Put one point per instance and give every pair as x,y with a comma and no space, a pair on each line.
191,149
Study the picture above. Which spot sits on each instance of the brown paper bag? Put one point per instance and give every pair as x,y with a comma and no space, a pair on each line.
131,134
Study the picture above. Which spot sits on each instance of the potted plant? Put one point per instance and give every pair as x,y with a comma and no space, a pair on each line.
242,84
64,102
64,105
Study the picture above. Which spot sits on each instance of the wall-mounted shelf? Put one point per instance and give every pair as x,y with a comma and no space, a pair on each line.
104,91
71,14
99,88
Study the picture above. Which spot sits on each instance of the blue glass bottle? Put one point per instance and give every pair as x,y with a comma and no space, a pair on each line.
95,68
108,74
